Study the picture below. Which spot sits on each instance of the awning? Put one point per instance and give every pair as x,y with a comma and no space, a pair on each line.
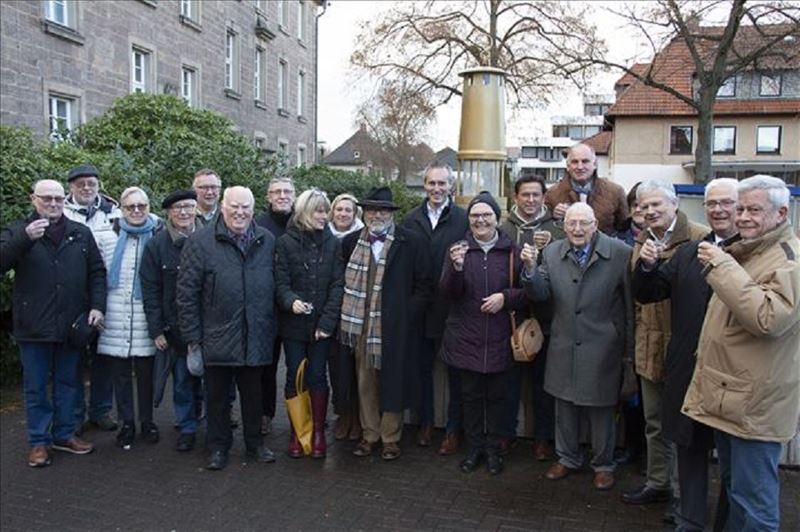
761,166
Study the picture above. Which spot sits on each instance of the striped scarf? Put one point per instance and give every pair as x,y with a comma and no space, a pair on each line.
354,303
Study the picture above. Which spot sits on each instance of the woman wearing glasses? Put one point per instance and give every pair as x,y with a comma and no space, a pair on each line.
309,275
477,339
125,339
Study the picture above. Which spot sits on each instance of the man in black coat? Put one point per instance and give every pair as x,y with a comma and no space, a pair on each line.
280,206
159,276
387,285
441,222
226,308
681,279
59,285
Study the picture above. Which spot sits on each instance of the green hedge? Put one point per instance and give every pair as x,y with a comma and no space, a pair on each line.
156,142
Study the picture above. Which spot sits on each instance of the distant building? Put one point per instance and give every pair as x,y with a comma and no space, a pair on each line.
65,61
591,123
546,156
356,154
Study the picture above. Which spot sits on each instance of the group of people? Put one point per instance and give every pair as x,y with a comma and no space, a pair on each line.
701,325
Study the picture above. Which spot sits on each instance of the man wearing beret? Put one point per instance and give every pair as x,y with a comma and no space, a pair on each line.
159,277
85,204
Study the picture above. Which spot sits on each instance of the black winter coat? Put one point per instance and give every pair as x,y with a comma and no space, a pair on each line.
313,274
475,340
161,262
681,280
274,222
226,298
407,287
53,285
451,227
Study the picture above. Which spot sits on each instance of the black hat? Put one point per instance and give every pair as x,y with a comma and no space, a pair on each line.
82,170
177,196
485,197
378,198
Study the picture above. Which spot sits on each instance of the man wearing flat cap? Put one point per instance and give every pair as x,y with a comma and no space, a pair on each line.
159,278
387,285
85,204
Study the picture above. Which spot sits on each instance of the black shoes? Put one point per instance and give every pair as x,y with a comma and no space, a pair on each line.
494,461
150,432
217,461
261,454
185,443
646,495
125,435
472,461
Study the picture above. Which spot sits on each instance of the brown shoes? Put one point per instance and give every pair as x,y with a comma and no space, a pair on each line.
73,445
364,448
424,436
542,451
603,480
341,430
450,444
39,456
391,451
558,471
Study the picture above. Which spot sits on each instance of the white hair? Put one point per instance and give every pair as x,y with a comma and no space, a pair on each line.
238,189
133,190
579,207
777,191
657,185
728,182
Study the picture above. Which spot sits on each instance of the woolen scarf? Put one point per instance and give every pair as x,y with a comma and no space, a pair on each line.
143,232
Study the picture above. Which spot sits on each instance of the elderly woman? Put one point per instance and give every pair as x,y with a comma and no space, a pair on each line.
345,218
125,340
477,339
309,276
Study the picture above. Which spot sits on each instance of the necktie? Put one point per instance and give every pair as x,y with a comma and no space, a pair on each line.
581,256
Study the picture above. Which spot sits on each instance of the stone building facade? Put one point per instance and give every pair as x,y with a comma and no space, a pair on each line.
63,62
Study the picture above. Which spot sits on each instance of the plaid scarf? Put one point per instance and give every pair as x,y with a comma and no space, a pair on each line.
354,303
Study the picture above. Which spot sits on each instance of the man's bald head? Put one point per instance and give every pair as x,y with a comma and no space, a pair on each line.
48,199
238,204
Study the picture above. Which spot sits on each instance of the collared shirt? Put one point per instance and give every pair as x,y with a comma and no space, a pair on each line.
209,215
581,255
667,233
243,240
377,244
435,213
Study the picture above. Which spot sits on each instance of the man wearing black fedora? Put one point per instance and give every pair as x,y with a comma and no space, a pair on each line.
387,285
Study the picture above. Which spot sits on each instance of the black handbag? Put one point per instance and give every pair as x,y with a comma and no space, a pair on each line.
81,335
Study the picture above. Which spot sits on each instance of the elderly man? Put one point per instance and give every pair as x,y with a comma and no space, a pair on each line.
581,184
226,295
85,204
531,222
667,229
585,277
280,206
207,186
681,280
441,222
387,285
159,276
59,293
746,385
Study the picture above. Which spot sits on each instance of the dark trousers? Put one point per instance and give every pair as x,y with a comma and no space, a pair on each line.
693,482
101,390
316,374
484,400
544,405
269,380
122,370
427,356
218,383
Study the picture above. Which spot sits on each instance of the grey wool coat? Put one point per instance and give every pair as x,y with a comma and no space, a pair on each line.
592,329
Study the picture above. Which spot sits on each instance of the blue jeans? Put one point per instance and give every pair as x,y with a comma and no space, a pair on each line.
183,396
455,401
316,370
48,422
101,390
749,472
428,353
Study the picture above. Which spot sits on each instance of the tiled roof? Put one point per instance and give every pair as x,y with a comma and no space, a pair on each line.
673,67
600,143
360,142
447,155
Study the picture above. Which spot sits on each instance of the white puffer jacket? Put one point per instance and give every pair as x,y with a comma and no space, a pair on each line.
101,223
125,333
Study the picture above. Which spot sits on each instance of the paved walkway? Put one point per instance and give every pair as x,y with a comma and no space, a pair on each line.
152,487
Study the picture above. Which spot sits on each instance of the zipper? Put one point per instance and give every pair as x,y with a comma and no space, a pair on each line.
135,274
486,315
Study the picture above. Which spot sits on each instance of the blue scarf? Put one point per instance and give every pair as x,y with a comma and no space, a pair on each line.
144,232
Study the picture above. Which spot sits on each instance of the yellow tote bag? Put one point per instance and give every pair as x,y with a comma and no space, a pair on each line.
299,409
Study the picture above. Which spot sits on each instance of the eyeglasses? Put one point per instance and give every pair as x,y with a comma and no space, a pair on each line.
281,192
141,207
481,215
725,204
88,183
183,208
584,224
205,188
50,199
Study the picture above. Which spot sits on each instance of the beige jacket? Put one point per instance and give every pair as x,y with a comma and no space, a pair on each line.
747,378
653,320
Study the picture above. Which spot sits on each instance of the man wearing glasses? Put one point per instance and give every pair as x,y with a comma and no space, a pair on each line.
87,205
59,284
207,186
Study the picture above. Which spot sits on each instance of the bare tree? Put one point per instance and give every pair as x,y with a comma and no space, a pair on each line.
427,44
717,41
397,120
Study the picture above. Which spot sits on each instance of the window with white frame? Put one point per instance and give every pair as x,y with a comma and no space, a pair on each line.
301,93
770,85
187,8
141,65
768,140
259,75
62,115
259,5
724,140
301,20
283,85
283,149
59,11
301,155
189,85
283,13
231,61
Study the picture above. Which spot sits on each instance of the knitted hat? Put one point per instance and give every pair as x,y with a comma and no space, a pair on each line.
177,196
485,197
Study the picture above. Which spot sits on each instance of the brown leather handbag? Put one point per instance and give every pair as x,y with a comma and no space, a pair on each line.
527,338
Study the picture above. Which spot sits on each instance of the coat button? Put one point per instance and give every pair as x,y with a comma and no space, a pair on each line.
724,384
578,342
577,312
574,280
